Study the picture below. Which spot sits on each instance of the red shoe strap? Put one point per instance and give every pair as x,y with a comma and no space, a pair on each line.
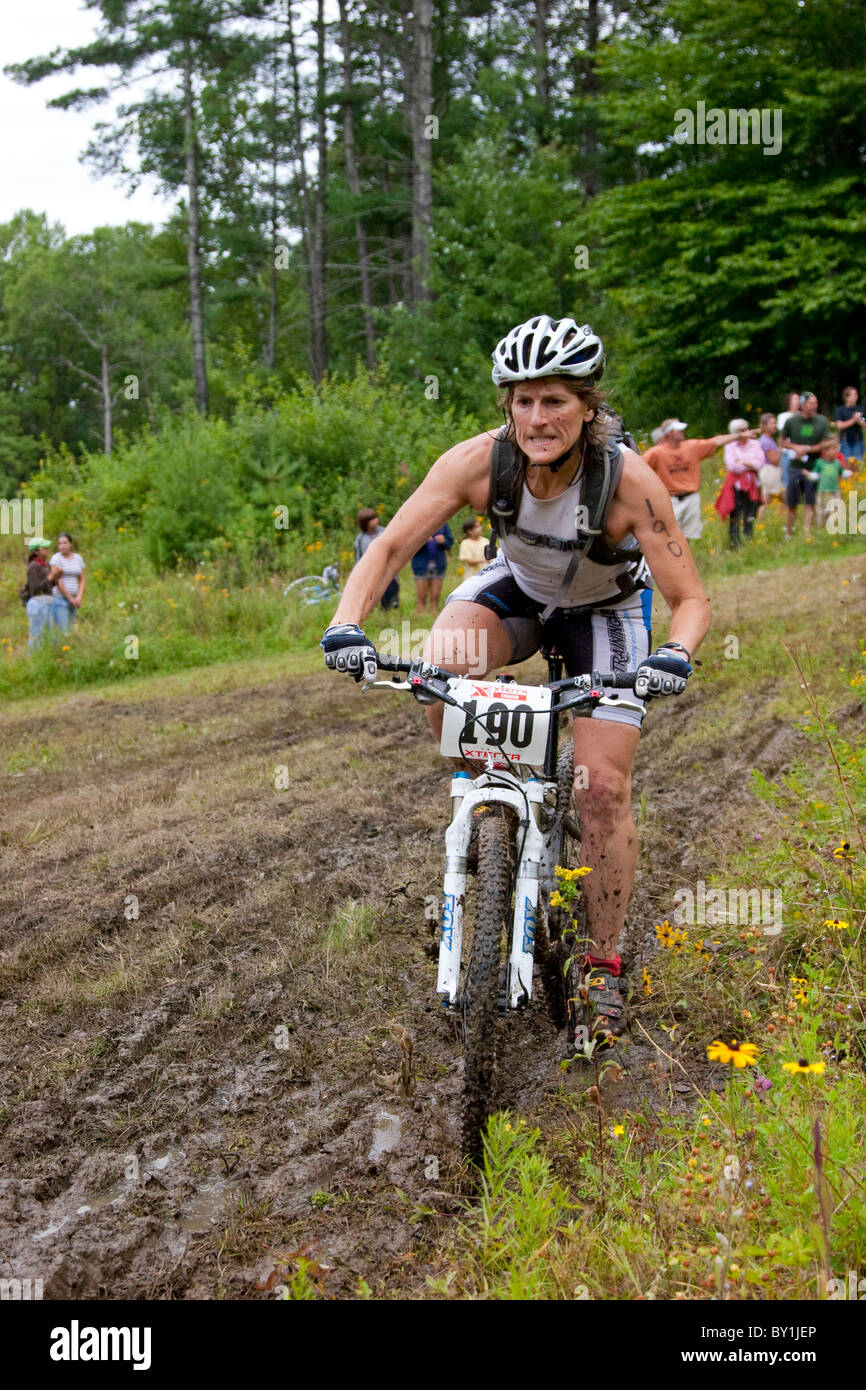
599,963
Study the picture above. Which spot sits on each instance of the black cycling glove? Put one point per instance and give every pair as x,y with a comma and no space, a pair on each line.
347,648
663,673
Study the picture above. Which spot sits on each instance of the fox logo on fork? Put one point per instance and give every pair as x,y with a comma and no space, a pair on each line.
447,919
529,926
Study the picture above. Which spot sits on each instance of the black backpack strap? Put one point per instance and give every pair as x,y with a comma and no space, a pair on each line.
599,488
506,485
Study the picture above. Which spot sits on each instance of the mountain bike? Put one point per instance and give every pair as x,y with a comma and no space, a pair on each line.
513,824
315,588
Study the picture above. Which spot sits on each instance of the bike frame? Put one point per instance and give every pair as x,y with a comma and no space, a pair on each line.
525,797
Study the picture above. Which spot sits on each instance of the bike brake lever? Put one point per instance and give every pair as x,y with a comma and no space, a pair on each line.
620,703
386,685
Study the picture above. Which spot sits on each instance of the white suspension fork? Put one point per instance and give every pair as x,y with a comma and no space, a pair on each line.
457,838
466,795
526,900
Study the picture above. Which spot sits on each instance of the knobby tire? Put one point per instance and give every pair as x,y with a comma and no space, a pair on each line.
493,912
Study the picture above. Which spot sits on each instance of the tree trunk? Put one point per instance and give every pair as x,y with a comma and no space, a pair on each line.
196,313
541,66
355,189
320,351
106,401
314,287
420,97
591,180
270,352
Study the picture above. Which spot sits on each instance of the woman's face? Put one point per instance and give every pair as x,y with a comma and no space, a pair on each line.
548,418
64,545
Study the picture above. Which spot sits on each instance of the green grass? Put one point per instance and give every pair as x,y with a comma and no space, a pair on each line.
352,925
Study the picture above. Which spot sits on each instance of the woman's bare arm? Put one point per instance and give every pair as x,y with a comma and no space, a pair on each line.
456,480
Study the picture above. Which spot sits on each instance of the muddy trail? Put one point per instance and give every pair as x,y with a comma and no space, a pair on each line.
222,1050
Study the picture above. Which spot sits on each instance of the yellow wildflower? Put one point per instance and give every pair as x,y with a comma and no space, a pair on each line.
569,875
741,1054
803,1065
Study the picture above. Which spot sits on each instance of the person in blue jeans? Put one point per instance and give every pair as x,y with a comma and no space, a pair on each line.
792,407
849,423
67,571
37,591
429,565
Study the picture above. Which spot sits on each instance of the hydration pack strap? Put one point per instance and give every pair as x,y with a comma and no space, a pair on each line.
571,571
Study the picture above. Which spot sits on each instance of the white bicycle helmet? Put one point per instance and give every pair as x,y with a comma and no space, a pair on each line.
548,347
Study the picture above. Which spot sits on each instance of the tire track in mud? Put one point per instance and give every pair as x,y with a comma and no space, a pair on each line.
225,1075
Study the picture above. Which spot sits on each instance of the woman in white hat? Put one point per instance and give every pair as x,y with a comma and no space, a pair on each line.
744,458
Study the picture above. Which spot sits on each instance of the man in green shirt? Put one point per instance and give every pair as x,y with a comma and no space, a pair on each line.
803,435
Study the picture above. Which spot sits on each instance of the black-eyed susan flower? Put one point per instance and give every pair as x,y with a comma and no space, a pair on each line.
740,1054
804,1065
842,851
647,982
836,923
663,933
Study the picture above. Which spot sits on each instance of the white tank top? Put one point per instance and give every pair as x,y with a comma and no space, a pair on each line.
539,569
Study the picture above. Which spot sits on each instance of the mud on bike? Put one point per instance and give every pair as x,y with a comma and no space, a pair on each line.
512,824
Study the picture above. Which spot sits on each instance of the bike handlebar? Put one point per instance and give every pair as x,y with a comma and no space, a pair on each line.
617,680
423,673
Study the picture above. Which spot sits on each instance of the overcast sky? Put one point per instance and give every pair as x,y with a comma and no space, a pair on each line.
40,148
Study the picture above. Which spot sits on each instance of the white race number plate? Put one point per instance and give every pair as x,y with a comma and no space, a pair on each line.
497,719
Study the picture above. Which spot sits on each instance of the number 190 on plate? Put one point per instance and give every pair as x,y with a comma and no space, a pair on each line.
494,719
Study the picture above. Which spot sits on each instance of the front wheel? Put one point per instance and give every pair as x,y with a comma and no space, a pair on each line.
480,1002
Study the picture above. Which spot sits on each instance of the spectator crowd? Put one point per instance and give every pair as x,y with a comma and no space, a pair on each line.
796,458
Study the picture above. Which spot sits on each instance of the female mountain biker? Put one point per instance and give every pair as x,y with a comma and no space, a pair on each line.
555,582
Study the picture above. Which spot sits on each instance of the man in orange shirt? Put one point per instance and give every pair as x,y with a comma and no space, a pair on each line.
677,461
